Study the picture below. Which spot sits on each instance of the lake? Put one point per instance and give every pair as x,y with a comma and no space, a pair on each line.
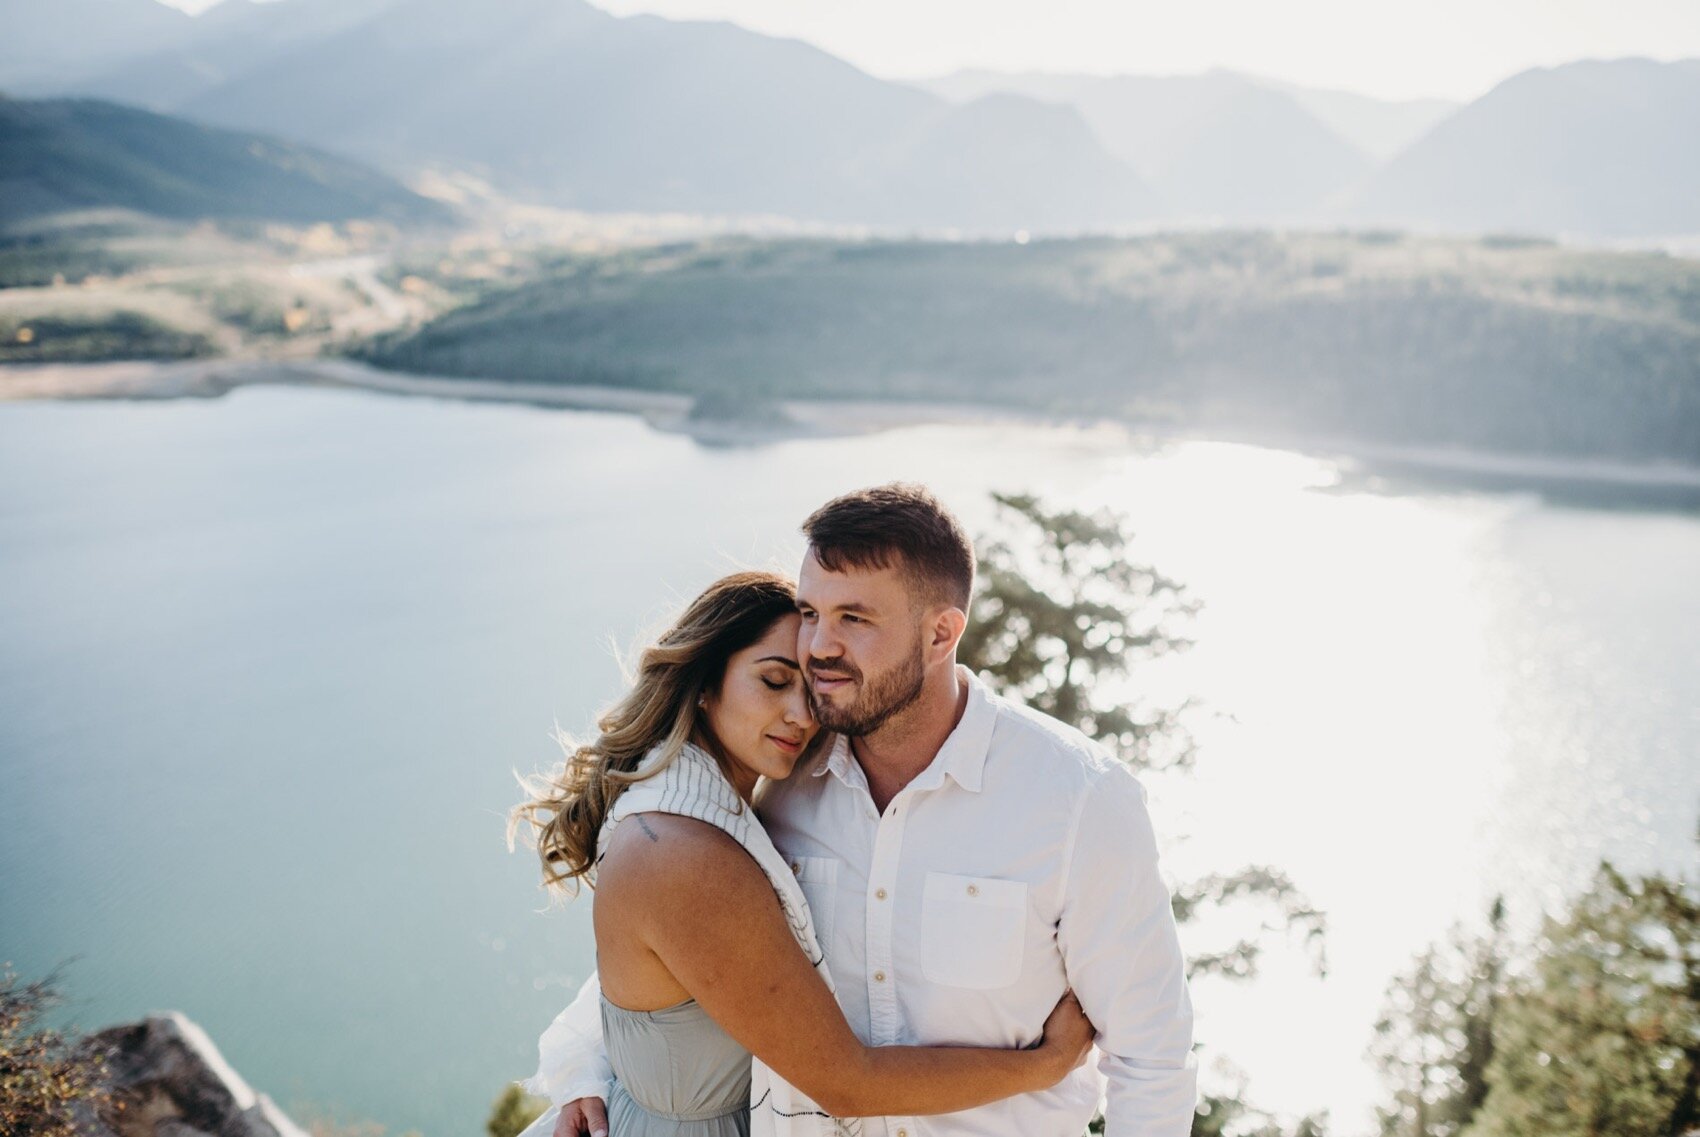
268,664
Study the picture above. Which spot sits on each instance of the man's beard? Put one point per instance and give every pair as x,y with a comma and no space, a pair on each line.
889,695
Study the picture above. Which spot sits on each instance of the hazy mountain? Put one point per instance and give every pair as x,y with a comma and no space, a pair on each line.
975,83
561,101
290,20
222,43
566,101
59,155
1217,146
1049,170
1378,127
1597,148
48,43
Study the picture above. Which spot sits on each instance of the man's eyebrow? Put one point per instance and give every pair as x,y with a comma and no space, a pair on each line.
791,663
855,606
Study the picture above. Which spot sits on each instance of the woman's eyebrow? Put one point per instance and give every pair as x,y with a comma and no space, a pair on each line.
791,663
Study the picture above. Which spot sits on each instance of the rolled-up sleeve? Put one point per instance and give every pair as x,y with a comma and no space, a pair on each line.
1123,958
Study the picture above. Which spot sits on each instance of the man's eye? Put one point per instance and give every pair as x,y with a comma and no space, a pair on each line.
807,615
852,619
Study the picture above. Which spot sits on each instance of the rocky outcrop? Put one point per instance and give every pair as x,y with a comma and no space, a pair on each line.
169,1080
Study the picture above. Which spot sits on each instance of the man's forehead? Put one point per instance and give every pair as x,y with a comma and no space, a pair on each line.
817,584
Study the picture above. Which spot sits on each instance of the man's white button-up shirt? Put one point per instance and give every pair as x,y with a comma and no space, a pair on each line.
1020,863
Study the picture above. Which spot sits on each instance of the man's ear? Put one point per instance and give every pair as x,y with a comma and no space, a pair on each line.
944,632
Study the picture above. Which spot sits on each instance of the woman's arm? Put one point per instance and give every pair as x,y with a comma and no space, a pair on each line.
707,911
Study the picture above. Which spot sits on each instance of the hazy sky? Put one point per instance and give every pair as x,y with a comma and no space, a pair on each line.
1393,48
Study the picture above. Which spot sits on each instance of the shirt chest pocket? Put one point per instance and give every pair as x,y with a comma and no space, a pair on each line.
973,930
818,877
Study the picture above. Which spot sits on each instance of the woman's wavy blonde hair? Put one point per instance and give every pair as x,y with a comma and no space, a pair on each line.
663,709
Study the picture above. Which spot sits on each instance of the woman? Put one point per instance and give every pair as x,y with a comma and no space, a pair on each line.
705,947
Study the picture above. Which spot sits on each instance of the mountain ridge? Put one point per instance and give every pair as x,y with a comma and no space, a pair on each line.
68,155
689,116
561,103
1587,147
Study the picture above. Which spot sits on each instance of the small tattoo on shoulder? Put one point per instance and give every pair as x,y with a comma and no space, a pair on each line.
647,831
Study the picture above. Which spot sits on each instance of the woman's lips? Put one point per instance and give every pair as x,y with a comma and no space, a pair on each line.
786,745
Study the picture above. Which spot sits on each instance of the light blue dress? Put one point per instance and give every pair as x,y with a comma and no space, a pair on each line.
676,1074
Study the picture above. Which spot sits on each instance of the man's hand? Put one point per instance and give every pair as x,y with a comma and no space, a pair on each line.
581,1116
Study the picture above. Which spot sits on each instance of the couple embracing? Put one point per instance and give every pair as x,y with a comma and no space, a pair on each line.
843,888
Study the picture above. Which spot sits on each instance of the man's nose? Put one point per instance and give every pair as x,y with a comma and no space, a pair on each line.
818,643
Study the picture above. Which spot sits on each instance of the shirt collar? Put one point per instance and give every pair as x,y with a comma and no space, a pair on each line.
962,758
837,760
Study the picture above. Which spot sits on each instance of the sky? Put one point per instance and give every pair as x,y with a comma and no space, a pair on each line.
1397,49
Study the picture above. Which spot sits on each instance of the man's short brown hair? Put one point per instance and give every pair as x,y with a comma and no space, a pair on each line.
900,522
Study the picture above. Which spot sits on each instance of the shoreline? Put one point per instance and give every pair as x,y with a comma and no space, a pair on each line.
812,418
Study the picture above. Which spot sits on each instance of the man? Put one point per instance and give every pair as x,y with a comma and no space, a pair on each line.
966,859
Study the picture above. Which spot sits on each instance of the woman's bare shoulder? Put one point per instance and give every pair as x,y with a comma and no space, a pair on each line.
662,860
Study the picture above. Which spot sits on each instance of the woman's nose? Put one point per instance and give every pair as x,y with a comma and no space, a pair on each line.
797,709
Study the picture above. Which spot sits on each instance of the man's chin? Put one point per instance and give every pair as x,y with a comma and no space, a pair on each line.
846,726
836,716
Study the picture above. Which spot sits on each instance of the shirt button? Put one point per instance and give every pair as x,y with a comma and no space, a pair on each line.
880,895
903,1133
795,868
879,977
973,890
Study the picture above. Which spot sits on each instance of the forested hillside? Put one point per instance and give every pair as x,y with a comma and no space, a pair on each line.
1503,344
65,155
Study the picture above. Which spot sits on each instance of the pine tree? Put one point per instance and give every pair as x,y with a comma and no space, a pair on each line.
1603,1036
1434,1039
1062,617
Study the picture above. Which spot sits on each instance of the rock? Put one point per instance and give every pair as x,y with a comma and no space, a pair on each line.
172,1082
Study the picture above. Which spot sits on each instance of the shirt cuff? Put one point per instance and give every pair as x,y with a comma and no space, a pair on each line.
585,1087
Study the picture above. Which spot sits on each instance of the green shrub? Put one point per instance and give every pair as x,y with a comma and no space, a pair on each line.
513,1111
90,338
45,1078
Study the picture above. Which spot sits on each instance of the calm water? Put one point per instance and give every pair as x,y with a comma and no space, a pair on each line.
267,663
